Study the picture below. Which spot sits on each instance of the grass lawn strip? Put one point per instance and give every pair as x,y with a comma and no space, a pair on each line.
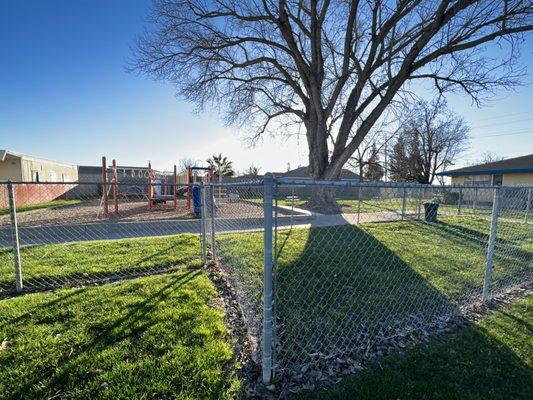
50,204
151,337
69,262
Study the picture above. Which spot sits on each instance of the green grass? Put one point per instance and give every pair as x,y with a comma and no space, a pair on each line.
152,337
159,336
488,361
96,259
372,205
330,279
449,255
395,204
50,204
351,205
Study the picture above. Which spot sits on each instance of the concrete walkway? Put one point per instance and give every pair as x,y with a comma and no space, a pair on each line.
68,233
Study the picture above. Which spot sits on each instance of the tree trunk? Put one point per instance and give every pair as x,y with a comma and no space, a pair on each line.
322,197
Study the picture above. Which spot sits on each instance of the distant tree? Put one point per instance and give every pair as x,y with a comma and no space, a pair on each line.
400,162
252,171
368,152
374,170
221,166
431,140
185,163
488,157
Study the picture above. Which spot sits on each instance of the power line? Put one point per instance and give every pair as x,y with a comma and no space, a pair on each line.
506,115
503,134
499,131
503,123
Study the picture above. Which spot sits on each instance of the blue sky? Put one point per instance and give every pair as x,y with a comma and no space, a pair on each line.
65,95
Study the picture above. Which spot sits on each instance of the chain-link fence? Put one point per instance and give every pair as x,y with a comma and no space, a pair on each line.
357,268
71,234
324,272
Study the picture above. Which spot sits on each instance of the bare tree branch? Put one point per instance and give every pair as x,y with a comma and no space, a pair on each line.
334,67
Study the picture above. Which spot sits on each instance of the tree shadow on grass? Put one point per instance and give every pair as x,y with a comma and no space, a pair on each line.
97,334
131,270
340,291
470,364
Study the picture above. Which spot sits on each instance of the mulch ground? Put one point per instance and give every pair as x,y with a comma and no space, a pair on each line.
91,211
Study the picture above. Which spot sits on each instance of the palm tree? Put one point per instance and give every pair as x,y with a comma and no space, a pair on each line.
220,166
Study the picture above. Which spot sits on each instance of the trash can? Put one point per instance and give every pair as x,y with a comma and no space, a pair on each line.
431,211
197,200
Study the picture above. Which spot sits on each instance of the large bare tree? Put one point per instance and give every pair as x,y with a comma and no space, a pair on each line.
332,66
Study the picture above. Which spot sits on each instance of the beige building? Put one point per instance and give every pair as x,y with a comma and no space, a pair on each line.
25,168
512,171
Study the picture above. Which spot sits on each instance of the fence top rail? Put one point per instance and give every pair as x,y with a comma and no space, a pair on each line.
358,183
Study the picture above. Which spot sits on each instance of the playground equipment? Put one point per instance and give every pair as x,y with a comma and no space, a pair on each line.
162,189
194,178
106,188
159,189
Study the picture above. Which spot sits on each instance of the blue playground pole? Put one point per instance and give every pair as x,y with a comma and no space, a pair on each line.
197,200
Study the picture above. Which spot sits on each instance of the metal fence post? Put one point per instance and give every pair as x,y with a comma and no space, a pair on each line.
213,211
358,204
404,203
474,205
15,237
267,281
492,241
528,205
419,202
460,201
203,240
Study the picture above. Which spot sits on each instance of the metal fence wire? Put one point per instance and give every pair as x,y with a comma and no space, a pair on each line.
56,221
320,289
326,273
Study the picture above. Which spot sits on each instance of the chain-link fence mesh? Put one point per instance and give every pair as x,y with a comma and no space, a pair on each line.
513,250
358,265
68,232
234,221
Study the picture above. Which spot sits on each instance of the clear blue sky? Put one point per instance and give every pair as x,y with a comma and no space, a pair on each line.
65,95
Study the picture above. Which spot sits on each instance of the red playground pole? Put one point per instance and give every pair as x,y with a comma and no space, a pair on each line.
149,186
104,187
189,188
115,187
175,189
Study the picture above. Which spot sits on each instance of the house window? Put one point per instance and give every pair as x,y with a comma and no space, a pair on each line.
53,176
481,180
469,179
497,179
64,177
34,176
